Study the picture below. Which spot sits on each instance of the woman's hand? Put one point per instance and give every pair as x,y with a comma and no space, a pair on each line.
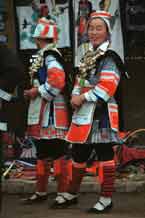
77,100
31,93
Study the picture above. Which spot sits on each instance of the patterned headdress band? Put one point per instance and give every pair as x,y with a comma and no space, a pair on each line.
101,14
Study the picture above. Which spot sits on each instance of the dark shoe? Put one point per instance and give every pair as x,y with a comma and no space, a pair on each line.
65,204
105,210
35,198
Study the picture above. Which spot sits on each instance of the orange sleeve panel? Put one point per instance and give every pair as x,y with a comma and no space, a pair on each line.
56,78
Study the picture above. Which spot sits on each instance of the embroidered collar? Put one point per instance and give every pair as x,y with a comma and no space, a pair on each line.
50,46
103,47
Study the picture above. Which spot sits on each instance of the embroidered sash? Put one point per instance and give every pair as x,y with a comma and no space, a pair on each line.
81,123
34,111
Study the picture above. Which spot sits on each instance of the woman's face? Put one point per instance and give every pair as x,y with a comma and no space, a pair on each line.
97,32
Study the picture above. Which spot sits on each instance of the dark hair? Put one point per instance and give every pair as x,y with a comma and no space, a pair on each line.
11,79
47,40
11,70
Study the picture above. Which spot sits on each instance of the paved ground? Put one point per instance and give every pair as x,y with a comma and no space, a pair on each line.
126,205
90,184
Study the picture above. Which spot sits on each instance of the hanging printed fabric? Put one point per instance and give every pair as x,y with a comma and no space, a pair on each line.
28,17
82,10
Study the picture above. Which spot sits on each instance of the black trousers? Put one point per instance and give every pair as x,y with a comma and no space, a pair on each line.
82,152
51,149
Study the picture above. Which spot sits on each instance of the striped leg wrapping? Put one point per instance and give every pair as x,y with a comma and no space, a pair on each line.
108,178
78,173
42,171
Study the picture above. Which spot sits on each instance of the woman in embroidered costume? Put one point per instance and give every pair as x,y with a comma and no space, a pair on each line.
94,126
47,114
